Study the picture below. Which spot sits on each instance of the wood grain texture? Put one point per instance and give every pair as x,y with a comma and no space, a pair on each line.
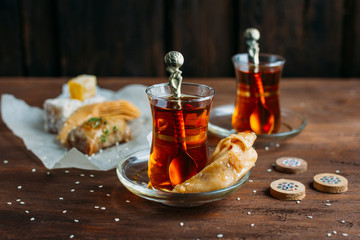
330,142
111,37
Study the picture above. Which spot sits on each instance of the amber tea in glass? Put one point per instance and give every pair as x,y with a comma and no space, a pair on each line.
257,94
194,109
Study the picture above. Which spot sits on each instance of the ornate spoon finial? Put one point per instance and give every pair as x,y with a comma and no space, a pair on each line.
174,60
252,35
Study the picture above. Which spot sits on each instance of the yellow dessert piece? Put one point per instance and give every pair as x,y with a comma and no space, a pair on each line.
82,87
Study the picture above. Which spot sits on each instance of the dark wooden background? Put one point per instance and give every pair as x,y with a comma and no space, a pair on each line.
130,37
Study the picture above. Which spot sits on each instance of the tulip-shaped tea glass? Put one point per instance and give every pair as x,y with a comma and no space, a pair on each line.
257,105
172,136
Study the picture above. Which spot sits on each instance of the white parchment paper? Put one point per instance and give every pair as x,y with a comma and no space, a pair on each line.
27,123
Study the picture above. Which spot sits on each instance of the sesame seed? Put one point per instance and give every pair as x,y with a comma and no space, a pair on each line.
117,219
298,201
277,145
103,208
91,190
82,175
186,184
266,148
108,194
269,170
71,236
345,234
61,198
328,204
249,213
19,187
342,221
181,224
33,170
64,211
254,191
310,217
252,225
6,161
127,201
72,190
76,220
9,203
77,182
22,203
337,171
48,173
238,199
100,186
67,171
327,200
251,180
228,165
92,175
26,211
18,200
220,235
334,232
329,234
32,219
96,206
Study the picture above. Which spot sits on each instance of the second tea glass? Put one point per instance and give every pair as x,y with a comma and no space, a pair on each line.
194,107
257,106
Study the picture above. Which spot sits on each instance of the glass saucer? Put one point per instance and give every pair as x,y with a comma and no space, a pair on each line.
292,123
132,173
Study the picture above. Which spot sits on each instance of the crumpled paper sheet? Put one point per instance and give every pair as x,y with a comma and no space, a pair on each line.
27,123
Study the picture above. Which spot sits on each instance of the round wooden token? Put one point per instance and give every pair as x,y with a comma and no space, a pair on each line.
330,183
286,189
291,165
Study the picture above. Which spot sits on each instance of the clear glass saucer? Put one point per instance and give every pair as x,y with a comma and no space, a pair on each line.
132,173
292,123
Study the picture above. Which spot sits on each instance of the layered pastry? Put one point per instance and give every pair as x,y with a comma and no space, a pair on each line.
232,159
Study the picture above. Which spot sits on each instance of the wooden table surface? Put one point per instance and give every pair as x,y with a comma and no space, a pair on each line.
44,207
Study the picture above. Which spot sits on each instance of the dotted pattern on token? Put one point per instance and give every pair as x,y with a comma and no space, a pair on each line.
286,189
330,183
291,165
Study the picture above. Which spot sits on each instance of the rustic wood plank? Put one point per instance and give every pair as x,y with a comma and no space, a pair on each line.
307,33
11,49
329,142
40,38
111,37
203,31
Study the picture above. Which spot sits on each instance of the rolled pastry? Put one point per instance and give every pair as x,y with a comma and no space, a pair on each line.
231,160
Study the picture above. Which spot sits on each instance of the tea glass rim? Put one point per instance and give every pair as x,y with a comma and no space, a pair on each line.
200,99
279,60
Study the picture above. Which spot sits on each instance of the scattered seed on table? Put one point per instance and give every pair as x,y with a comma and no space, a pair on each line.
72,190
127,201
6,161
220,235
82,175
22,203
48,173
64,211
61,198
266,148
327,204
9,203
345,234
77,182
329,234
277,145
310,217
27,211
108,194
238,199
334,232
92,175
248,213
32,219
252,225
18,200
342,221
96,207
33,170
19,187
71,236
337,171
103,208
269,170
254,191
298,201
100,186
117,219
251,180
76,220
67,171
181,224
